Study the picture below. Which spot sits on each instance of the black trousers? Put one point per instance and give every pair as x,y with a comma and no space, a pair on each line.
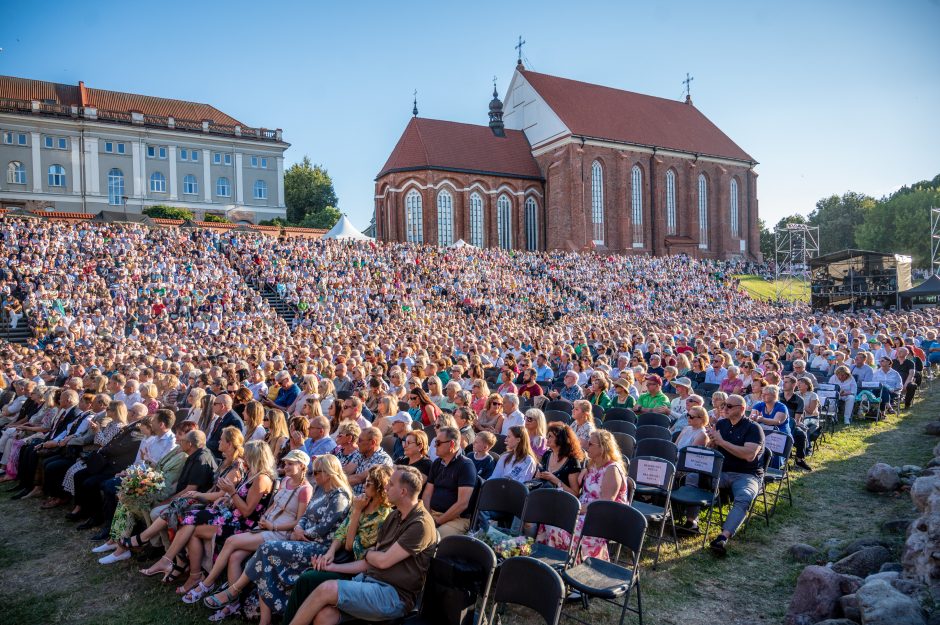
800,442
909,391
88,491
28,462
54,470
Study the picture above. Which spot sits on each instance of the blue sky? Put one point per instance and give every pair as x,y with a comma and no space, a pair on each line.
828,96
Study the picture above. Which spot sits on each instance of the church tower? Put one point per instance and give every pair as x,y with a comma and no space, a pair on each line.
496,114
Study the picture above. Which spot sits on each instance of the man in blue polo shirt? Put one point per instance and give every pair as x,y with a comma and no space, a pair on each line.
741,442
286,393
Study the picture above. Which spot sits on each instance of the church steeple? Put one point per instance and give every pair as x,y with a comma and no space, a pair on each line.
496,113
414,111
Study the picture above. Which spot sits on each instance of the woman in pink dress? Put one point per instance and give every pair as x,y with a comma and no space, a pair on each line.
603,478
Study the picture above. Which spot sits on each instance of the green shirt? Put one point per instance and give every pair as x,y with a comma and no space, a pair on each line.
629,404
649,402
601,399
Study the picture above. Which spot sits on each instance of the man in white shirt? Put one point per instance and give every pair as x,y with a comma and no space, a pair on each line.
131,394
511,412
890,380
154,447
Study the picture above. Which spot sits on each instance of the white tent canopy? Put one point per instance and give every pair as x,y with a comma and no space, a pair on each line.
345,230
460,243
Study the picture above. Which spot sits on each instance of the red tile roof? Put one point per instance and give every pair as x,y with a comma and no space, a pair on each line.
452,146
606,113
71,95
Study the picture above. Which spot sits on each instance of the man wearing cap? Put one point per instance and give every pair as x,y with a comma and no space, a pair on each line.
678,408
401,428
654,400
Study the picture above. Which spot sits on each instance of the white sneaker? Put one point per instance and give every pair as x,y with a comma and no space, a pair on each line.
105,548
112,558
848,421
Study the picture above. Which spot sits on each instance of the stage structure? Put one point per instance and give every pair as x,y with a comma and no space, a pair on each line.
935,241
852,279
794,246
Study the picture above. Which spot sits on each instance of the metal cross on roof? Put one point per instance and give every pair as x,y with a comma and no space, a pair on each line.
518,47
687,82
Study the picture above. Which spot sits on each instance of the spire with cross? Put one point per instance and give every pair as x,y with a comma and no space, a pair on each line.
518,47
414,111
688,90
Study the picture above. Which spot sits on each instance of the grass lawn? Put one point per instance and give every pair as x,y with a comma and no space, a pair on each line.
764,289
48,575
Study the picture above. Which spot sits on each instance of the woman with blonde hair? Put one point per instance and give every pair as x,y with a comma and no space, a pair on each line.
148,397
254,421
194,399
327,393
311,408
386,408
309,387
276,565
604,478
535,428
277,434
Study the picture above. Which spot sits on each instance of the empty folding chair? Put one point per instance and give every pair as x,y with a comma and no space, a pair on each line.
606,580
502,496
557,415
706,390
527,582
780,445
555,508
598,412
559,404
658,448
654,418
620,414
653,431
655,475
706,464
619,426
626,443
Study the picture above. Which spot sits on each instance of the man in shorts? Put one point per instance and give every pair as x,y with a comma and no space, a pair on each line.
391,574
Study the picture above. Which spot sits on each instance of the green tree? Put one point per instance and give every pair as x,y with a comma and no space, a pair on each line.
308,191
900,222
216,219
766,241
324,219
838,219
162,211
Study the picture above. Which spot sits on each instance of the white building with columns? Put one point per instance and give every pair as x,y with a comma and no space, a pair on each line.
78,149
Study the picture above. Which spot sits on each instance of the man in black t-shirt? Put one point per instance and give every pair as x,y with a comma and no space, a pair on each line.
906,368
450,485
741,442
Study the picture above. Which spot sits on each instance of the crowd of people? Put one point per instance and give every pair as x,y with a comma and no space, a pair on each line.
308,471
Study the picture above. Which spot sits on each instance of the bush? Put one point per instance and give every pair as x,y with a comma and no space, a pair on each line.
162,211
216,219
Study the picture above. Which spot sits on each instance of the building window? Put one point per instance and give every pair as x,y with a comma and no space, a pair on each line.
56,176
151,151
217,158
636,204
162,151
21,138
184,154
228,159
55,143
445,218
16,173
702,212
476,219
194,156
670,202
8,138
531,224
156,151
190,186
114,148
49,142
157,182
735,227
597,201
414,220
254,161
261,190
115,187
222,188
504,221
264,163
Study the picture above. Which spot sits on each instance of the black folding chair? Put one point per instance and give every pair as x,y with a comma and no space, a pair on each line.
655,475
598,412
620,414
527,582
706,390
559,404
706,464
556,508
764,512
619,426
657,448
502,496
606,580
653,431
460,575
388,444
626,443
500,447
558,415
654,418
780,445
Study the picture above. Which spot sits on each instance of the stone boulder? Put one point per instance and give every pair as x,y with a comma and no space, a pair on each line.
801,552
932,428
817,594
896,526
861,543
863,562
921,490
883,478
848,605
921,555
881,604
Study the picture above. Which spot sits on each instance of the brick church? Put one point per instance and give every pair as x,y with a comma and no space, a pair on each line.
571,165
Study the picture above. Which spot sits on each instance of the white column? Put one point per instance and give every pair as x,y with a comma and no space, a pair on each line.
34,139
77,182
171,154
135,174
144,187
280,182
92,179
239,180
207,182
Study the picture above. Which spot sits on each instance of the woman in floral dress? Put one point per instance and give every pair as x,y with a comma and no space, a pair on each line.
602,479
114,421
276,565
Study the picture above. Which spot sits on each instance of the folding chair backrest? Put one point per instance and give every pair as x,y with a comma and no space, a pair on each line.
779,443
388,444
461,573
527,582
598,412
615,521
557,415
500,447
653,431
826,387
619,426
653,418
552,506
619,414
626,443
501,495
701,460
653,472
871,385
658,448
559,404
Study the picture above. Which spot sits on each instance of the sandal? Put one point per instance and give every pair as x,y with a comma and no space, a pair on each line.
175,573
132,542
197,592
228,597
225,612
151,572
183,590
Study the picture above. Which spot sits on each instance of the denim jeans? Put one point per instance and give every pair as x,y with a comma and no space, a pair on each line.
744,487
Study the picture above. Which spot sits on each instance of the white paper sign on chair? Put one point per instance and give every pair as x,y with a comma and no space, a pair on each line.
699,462
650,473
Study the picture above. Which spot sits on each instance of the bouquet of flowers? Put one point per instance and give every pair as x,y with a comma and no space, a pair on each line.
140,483
504,545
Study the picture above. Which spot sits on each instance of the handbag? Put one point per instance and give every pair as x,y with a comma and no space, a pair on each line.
537,484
